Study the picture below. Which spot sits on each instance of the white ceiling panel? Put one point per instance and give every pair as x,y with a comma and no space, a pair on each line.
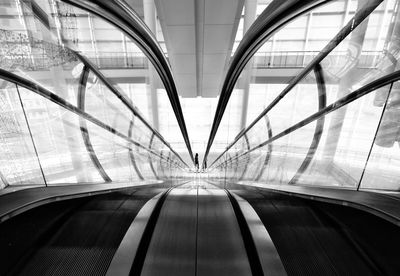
217,38
176,12
210,92
186,80
220,11
183,63
181,40
199,37
214,63
211,81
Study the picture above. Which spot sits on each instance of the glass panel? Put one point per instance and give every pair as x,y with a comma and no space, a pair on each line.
169,127
344,146
367,53
58,139
299,103
143,159
364,54
382,171
101,103
229,126
40,47
50,65
18,161
339,158
274,65
354,60
113,153
119,58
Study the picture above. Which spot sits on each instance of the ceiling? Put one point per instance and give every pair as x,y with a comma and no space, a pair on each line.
199,36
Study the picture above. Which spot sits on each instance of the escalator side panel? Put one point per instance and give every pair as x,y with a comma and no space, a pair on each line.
308,243
84,240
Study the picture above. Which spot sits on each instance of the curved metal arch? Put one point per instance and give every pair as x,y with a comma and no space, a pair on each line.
149,158
269,152
83,126
319,127
130,151
274,17
236,162
161,164
277,14
125,100
247,158
121,15
169,164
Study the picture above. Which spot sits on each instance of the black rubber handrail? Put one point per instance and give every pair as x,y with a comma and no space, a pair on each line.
366,89
252,46
125,100
273,18
121,15
248,240
36,88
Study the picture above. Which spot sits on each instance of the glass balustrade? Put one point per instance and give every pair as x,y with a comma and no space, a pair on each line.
335,126
68,115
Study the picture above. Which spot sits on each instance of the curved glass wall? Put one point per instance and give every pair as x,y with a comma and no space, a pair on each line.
77,118
333,121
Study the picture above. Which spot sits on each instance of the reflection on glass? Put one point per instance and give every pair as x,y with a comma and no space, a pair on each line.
58,139
345,144
62,146
18,162
354,146
381,172
101,103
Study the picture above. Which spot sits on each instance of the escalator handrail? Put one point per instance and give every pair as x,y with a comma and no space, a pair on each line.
366,89
249,47
273,18
36,88
121,15
126,101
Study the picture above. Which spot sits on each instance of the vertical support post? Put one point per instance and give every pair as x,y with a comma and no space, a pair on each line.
249,17
150,20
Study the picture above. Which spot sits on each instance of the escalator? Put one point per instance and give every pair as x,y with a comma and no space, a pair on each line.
318,238
73,237
199,229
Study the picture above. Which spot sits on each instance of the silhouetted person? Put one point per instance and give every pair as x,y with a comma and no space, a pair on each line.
196,162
